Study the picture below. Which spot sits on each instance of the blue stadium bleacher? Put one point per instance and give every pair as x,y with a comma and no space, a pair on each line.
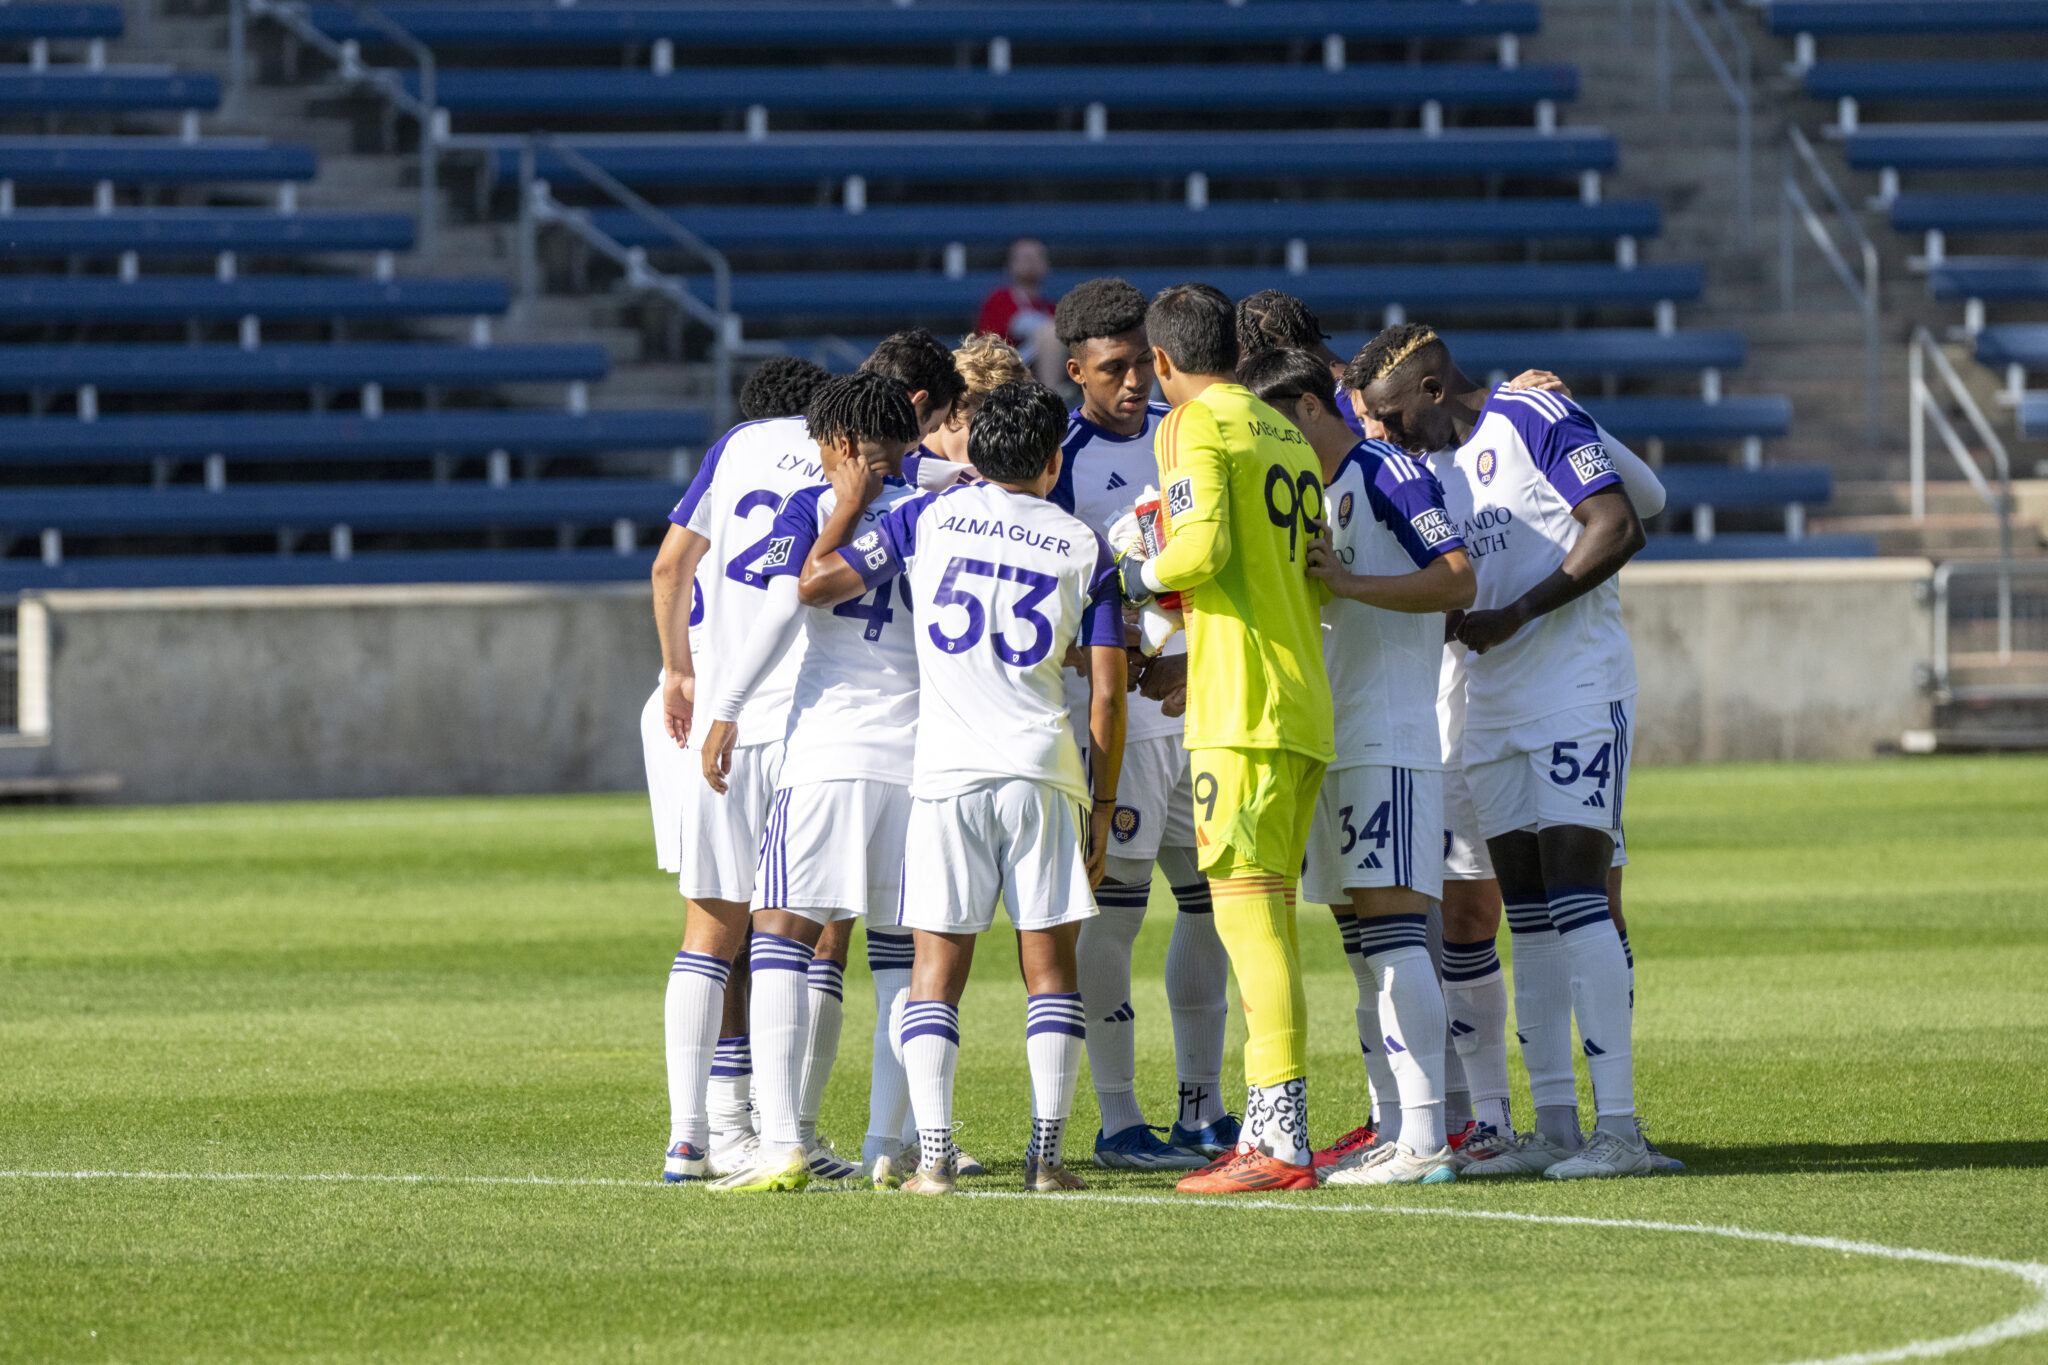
1704,490
2033,415
243,436
18,22
1906,16
2009,344
70,90
720,158
1947,146
1166,224
522,90
1582,350
1736,417
824,293
197,232
826,25
1928,80
1989,279
155,160
1970,212
141,368
171,298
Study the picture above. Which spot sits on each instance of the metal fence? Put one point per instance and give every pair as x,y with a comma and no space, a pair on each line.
1991,630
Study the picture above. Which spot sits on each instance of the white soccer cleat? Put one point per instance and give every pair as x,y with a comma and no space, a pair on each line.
1529,1154
736,1155
931,1180
1041,1179
685,1161
827,1164
1483,1145
1660,1163
912,1156
1395,1163
883,1173
782,1170
1606,1156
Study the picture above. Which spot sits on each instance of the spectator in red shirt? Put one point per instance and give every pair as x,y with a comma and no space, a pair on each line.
1018,313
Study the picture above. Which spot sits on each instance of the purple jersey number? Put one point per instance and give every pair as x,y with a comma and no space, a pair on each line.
1037,587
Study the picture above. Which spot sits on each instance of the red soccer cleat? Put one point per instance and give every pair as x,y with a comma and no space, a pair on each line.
1249,1172
1358,1139
1463,1135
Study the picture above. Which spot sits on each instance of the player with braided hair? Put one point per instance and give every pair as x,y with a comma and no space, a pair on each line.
781,386
832,847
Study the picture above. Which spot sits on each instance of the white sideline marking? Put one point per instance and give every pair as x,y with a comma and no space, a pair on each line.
2027,1322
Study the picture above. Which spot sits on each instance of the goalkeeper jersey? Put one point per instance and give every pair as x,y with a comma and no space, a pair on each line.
1254,623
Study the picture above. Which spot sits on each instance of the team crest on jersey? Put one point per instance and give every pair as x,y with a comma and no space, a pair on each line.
1488,466
1344,510
1589,462
1432,525
1180,497
778,552
1124,824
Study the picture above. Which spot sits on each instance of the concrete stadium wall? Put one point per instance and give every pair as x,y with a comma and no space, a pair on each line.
242,694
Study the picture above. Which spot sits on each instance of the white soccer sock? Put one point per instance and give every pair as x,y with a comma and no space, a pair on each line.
689,1027
1197,985
1630,954
1411,1015
779,1022
1103,959
732,1078
1278,1114
1600,998
1379,1076
828,989
931,1046
1543,1018
1476,1001
889,959
1457,1092
1054,1033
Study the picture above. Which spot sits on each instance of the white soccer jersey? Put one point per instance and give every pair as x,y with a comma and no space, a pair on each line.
1510,491
853,712
1387,517
1006,582
732,502
1101,475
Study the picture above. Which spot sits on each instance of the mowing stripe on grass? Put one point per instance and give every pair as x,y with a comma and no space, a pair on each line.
2028,1321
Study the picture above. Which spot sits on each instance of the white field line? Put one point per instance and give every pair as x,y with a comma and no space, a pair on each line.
2027,1321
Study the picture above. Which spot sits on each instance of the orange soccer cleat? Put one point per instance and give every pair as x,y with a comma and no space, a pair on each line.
1357,1140
1249,1171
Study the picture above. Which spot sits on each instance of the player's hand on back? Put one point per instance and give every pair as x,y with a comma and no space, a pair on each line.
718,746
1482,630
678,700
1542,380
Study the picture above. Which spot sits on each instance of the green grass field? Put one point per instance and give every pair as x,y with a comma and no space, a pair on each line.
1842,1027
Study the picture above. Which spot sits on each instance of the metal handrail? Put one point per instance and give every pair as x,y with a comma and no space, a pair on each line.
537,204
1794,203
1943,575
1923,410
421,108
1737,90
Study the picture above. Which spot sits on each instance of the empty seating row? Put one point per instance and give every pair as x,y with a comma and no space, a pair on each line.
141,368
1583,350
344,436
1143,224
172,298
1907,16
198,232
152,160
715,158
827,25
1705,490
1947,146
259,570
1928,80
21,22
68,90
864,88
1988,278
1970,212
831,293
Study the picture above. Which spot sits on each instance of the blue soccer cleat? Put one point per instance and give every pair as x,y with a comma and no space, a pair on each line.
1211,1139
685,1162
1138,1148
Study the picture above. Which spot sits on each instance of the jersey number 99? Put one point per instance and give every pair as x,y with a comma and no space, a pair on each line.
1294,503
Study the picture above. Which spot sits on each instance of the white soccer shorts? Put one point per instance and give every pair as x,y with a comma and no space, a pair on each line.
719,837
834,850
1570,768
1155,801
1375,826
1020,842
667,767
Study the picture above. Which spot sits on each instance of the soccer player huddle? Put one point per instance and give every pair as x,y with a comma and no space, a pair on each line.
1342,631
